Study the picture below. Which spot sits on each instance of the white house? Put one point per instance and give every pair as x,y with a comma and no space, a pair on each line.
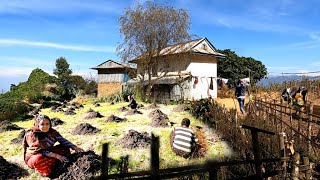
192,76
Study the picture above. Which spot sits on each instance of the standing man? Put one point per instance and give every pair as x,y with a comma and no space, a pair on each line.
240,93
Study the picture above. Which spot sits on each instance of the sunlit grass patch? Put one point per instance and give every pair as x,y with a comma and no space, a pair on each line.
111,132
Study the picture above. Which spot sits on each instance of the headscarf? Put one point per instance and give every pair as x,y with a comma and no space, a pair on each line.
39,118
34,138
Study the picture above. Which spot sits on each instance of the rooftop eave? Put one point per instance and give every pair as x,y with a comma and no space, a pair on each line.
99,68
214,55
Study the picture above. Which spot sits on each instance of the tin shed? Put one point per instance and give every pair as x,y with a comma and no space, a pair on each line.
111,75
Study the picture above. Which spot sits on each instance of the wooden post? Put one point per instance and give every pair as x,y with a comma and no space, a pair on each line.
309,128
155,157
215,113
259,105
105,161
295,166
213,170
305,161
263,111
275,115
236,118
266,113
291,121
281,115
299,127
282,140
256,149
256,153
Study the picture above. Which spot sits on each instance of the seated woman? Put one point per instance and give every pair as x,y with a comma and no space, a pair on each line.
132,102
184,139
39,152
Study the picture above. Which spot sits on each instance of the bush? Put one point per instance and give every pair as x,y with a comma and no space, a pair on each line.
10,108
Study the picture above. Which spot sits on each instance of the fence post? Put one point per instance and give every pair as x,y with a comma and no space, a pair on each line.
275,115
236,118
291,120
256,152
258,104
264,109
256,149
282,140
213,170
268,113
154,157
299,127
309,128
105,161
295,166
305,161
281,115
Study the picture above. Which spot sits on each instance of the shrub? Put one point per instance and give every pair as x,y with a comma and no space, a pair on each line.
10,107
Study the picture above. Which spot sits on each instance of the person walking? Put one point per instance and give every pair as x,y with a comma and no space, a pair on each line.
240,93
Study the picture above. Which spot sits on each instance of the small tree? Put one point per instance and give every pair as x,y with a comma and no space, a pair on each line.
62,68
147,30
62,71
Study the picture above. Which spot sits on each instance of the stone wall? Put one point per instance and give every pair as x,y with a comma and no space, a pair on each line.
106,89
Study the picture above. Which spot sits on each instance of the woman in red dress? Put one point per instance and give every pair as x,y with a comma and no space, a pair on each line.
39,150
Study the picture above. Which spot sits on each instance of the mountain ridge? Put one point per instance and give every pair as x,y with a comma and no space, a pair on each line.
280,79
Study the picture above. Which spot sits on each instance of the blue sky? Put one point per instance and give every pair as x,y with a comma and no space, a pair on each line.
283,34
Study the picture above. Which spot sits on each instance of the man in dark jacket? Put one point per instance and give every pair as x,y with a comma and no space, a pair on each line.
240,93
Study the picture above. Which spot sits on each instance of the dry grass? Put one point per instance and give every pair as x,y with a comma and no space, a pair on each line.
111,132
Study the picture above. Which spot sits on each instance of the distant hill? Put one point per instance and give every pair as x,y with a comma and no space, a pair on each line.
280,79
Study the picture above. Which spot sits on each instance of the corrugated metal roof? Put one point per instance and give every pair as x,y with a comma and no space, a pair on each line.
110,64
194,46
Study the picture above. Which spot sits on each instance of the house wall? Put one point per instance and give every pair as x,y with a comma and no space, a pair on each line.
107,89
111,75
205,68
171,63
110,81
175,63
202,66
182,91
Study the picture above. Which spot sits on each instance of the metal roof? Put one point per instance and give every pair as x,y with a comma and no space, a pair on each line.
197,46
110,64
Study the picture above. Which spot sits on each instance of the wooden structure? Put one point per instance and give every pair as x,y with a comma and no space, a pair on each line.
279,165
111,75
190,71
210,168
301,126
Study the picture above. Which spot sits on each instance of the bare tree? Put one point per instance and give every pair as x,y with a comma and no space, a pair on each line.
148,32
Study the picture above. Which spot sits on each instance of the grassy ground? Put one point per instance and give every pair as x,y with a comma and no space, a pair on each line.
111,132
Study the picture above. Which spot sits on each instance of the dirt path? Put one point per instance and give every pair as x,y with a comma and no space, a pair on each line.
231,103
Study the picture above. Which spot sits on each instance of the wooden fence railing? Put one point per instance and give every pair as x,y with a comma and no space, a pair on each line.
211,167
301,125
279,117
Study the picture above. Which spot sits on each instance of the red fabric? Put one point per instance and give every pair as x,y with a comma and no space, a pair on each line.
195,80
43,164
34,143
